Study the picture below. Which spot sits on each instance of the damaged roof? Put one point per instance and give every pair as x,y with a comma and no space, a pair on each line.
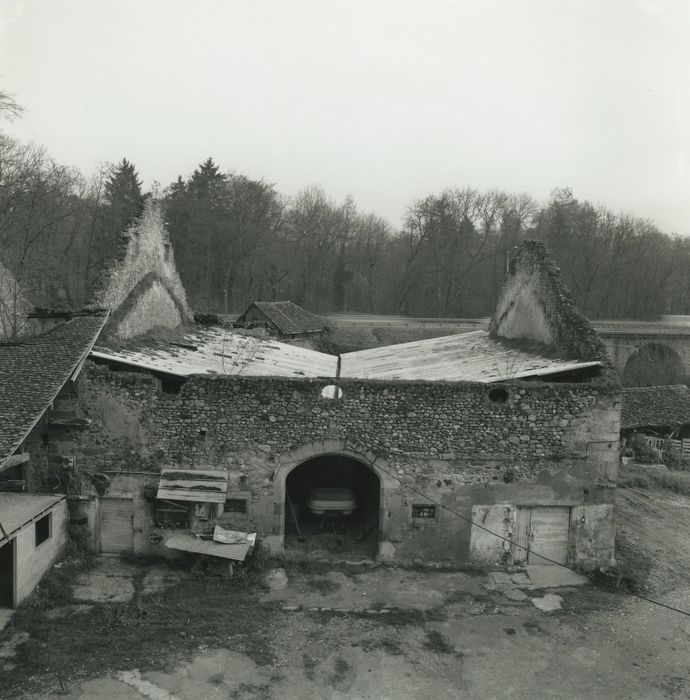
34,370
199,485
287,317
471,357
220,351
468,357
655,406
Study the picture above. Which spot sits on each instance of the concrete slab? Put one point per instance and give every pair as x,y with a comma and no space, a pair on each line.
158,579
500,578
554,577
521,580
5,617
67,611
548,603
8,650
109,581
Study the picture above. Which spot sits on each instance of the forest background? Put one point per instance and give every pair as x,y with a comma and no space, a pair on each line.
238,240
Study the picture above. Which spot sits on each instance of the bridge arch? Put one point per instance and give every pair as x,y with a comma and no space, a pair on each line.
654,364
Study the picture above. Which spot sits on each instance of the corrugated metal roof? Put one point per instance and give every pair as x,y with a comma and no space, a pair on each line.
191,543
199,485
469,357
219,351
17,509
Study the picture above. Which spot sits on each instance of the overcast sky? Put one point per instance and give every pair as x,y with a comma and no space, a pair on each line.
386,100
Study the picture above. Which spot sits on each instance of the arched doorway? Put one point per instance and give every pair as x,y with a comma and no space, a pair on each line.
332,507
653,364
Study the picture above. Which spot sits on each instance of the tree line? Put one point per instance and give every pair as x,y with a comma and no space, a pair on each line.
238,239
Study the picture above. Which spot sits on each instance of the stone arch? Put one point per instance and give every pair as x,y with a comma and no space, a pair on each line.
654,364
289,461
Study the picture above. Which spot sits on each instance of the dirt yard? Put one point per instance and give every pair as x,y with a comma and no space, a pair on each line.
140,629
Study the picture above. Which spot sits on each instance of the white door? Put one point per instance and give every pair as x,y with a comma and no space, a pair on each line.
549,533
117,528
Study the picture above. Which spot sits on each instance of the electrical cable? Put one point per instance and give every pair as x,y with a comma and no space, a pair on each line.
527,549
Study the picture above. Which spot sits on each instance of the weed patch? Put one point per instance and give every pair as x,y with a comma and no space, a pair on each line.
323,585
437,643
149,631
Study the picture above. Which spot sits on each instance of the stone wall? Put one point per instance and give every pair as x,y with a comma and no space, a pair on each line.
142,287
536,306
547,443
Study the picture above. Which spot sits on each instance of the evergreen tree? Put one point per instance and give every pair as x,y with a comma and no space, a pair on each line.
123,196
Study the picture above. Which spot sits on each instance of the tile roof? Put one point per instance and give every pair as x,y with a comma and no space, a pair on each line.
288,318
655,406
33,371
472,357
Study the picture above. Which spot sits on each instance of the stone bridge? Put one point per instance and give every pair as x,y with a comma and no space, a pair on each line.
647,353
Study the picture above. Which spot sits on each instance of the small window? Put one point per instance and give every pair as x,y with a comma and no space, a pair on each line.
43,527
498,395
172,515
423,512
332,392
235,505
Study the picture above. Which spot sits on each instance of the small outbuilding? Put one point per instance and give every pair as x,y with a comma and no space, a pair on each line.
33,535
281,318
659,416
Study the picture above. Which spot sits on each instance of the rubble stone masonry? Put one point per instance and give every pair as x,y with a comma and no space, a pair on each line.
547,443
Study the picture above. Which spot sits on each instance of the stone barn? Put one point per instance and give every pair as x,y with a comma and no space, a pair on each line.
405,454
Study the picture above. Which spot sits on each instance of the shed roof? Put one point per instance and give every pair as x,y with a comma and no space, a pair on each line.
287,317
471,357
655,406
17,509
222,352
198,485
34,370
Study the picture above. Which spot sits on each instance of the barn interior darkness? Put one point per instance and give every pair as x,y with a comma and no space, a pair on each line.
308,528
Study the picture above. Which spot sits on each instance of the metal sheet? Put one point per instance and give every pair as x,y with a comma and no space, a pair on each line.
197,485
17,509
471,357
222,352
189,543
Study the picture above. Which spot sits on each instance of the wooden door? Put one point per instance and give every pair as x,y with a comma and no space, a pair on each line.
7,574
117,528
549,534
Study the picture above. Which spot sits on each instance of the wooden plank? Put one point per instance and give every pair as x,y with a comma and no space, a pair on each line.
117,528
549,534
521,535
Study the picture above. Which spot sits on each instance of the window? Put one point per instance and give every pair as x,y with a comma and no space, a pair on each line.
499,395
235,505
423,512
43,528
172,515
